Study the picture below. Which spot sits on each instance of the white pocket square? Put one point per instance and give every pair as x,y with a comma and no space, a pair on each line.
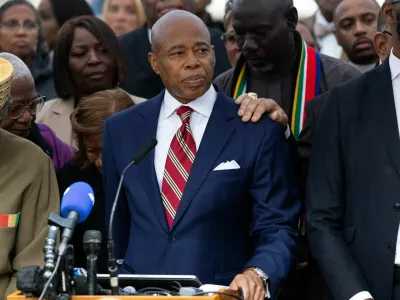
229,165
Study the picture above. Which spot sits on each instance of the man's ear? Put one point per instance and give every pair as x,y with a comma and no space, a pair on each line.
153,59
292,18
380,45
389,13
337,36
213,54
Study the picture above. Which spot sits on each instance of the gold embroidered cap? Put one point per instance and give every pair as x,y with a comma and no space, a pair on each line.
6,76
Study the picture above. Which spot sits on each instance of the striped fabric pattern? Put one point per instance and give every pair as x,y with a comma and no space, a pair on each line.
9,220
180,159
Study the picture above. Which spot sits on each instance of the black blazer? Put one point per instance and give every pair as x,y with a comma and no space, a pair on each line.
72,172
141,80
353,188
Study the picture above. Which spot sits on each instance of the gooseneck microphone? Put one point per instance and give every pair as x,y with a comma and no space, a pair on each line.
76,205
112,261
91,246
49,250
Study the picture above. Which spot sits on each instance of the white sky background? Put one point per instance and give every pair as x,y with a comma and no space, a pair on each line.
305,7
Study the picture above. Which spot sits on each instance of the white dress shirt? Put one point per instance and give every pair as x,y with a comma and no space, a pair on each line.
169,123
329,45
394,64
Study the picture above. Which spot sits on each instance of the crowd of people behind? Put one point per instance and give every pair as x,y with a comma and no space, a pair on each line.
72,71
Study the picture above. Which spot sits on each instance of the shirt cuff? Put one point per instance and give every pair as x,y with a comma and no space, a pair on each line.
287,132
267,293
361,296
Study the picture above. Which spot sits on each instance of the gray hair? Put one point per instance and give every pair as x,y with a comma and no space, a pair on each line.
4,109
20,70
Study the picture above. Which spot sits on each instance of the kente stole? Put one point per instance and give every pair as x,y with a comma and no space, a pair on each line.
307,85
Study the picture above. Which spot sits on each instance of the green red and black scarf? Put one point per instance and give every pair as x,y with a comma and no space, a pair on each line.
307,85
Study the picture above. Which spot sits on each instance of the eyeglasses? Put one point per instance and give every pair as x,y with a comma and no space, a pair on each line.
387,32
14,25
16,110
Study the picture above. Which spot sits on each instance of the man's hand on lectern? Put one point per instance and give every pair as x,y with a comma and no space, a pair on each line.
251,284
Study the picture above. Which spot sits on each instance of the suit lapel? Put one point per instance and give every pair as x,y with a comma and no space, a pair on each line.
147,170
382,100
218,131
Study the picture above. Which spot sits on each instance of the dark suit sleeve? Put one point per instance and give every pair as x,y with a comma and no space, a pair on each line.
276,208
111,179
325,206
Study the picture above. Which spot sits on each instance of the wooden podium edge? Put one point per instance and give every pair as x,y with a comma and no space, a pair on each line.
19,296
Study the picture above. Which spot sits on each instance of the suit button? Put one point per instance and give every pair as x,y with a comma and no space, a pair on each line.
171,240
391,248
396,207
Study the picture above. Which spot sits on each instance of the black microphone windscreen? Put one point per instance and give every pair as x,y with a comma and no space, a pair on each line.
92,236
144,150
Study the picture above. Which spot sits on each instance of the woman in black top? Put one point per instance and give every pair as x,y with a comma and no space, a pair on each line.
87,124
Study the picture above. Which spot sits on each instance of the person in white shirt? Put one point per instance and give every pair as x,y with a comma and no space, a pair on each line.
353,204
321,23
213,183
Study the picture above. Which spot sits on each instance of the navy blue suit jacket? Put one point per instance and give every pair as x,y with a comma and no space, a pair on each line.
227,220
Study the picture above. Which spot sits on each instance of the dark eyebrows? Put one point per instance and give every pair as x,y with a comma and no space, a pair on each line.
199,44
369,14
182,46
176,47
363,15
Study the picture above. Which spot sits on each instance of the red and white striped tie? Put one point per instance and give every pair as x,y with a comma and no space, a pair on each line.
180,159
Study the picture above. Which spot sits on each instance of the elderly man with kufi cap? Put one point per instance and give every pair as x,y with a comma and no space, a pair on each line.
28,194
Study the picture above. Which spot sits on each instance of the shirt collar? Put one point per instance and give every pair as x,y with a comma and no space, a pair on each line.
149,34
202,105
394,64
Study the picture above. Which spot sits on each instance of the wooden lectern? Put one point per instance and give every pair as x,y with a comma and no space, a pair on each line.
19,296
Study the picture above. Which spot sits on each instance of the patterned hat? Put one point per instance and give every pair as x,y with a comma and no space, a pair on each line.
6,75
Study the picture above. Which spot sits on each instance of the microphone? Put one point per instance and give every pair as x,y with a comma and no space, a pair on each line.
112,261
76,205
91,246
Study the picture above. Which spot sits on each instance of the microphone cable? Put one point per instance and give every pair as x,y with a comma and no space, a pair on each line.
51,278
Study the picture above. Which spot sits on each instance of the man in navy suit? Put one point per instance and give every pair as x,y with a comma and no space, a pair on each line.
217,196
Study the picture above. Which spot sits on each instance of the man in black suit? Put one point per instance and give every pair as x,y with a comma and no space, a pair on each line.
353,203
141,79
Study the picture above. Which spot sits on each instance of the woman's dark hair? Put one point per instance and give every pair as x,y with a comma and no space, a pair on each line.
63,83
41,45
65,10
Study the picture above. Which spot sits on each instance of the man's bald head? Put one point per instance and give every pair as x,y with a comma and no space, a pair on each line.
171,23
182,55
356,22
265,32
345,6
274,5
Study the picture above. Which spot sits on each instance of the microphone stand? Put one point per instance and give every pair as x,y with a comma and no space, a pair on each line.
112,260
91,246
70,262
